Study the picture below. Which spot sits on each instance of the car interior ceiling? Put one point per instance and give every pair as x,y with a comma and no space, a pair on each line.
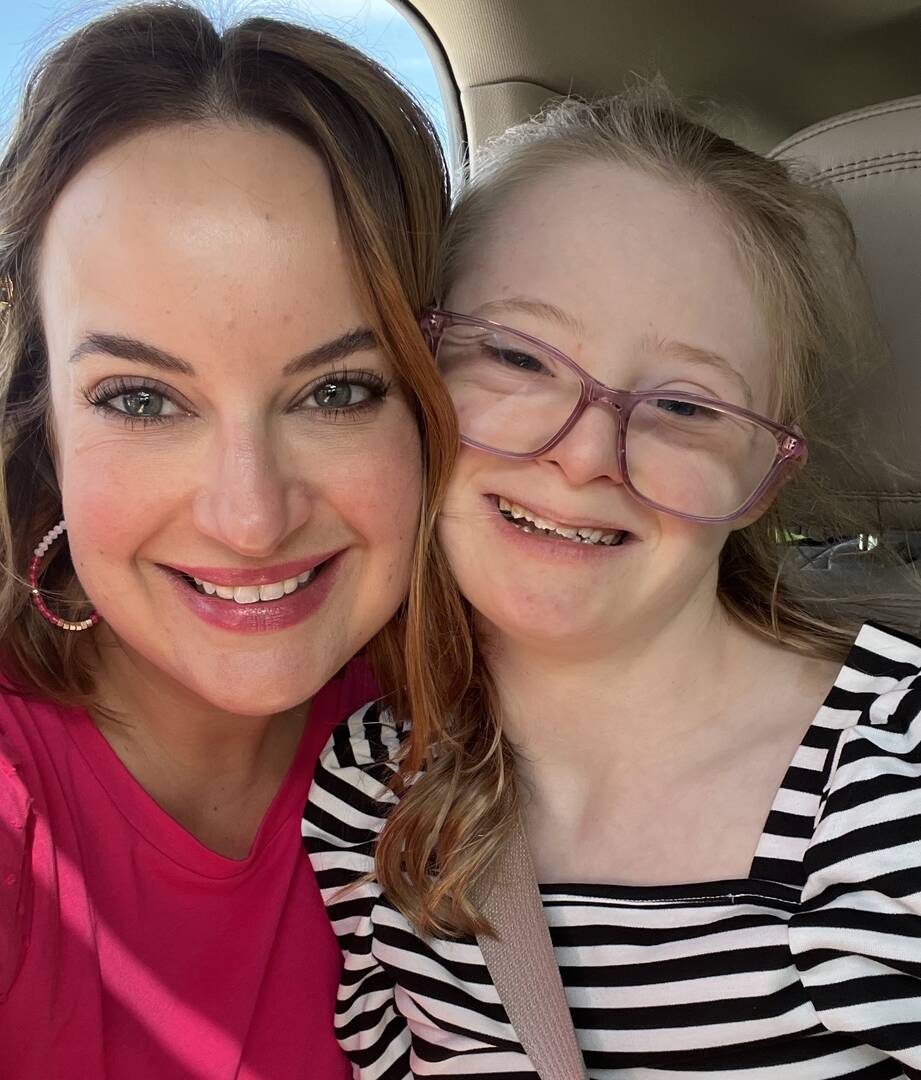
762,72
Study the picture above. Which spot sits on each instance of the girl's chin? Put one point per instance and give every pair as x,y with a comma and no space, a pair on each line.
564,625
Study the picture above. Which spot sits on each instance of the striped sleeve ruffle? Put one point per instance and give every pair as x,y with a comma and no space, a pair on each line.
347,806
857,936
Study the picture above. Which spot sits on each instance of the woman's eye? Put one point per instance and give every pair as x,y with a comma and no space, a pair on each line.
336,394
345,394
123,400
142,404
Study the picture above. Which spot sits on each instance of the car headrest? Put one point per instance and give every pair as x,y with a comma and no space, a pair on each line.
872,158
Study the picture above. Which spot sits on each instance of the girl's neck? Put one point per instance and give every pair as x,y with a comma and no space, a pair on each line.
624,689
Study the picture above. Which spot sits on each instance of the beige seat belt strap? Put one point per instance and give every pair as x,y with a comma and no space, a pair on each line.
523,967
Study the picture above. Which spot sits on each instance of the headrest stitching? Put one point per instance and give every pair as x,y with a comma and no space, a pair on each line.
842,121
905,157
866,172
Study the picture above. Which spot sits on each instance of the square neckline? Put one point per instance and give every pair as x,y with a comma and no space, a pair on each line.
822,735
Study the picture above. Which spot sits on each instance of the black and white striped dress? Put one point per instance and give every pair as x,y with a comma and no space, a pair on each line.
809,969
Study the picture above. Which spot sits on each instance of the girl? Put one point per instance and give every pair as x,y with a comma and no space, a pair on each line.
214,249
723,820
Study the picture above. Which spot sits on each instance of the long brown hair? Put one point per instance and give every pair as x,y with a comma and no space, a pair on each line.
157,64
456,778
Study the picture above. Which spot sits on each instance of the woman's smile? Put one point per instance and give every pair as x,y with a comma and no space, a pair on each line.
256,601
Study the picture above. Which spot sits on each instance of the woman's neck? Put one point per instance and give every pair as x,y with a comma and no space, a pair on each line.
213,771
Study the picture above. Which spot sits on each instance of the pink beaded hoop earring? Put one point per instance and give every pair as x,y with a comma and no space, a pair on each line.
37,599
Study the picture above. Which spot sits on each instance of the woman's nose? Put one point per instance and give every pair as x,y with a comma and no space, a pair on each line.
245,500
589,451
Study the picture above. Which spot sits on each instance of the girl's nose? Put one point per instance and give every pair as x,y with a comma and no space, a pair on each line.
589,451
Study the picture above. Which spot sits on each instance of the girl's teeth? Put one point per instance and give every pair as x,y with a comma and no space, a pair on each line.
584,535
289,585
274,591
225,592
246,594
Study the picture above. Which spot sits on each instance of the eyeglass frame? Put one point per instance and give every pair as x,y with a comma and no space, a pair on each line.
791,443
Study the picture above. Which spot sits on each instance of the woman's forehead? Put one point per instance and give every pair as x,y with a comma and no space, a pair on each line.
220,255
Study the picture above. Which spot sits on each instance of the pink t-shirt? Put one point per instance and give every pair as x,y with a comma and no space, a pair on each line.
128,951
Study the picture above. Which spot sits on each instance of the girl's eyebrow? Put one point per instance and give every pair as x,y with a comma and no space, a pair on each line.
527,306
141,352
695,355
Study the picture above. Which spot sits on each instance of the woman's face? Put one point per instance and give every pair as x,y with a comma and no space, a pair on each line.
639,283
240,472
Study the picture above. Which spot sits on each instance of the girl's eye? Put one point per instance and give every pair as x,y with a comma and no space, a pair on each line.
688,409
515,358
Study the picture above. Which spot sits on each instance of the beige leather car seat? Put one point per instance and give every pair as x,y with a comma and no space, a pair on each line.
872,159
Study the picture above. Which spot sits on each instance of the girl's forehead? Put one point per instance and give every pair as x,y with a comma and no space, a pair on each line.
629,257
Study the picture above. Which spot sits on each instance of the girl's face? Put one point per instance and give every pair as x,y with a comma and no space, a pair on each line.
239,469
639,283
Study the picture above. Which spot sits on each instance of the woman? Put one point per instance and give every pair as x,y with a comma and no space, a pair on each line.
638,315
214,249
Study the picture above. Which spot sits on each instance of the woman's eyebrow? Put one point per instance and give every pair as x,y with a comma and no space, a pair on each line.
351,341
128,348
140,352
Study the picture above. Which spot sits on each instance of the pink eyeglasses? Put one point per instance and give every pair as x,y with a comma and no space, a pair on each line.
695,457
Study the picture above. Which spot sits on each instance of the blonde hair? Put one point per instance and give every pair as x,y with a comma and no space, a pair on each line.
158,64
456,779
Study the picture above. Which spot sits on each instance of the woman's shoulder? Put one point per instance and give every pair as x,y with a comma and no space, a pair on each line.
18,784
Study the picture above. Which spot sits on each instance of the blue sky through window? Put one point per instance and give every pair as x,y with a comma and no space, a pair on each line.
28,27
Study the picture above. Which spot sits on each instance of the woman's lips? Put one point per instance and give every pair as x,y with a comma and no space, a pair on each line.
260,616
263,575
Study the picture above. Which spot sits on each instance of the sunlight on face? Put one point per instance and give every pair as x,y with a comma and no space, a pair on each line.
639,282
221,412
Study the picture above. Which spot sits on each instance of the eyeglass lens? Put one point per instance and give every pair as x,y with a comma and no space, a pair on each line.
514,397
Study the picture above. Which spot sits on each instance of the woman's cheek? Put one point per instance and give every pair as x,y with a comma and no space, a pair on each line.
115,497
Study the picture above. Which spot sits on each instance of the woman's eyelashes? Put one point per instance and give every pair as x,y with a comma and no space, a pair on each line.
343,395
144,402
137,401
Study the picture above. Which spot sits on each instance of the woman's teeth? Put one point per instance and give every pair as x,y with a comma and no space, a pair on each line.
529,522
252,594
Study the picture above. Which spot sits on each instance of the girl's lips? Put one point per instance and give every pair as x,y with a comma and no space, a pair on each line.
554,548
263,616
575,521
